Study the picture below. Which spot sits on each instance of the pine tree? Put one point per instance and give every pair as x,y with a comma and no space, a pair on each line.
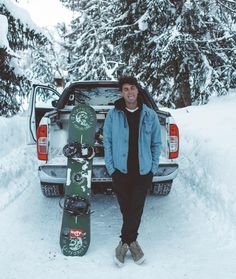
91,54
13,83
40,64
182,50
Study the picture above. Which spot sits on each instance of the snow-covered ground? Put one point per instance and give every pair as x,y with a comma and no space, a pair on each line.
189,234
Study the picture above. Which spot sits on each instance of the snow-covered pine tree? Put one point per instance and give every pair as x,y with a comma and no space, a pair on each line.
90,52
17,36
40,64
183,50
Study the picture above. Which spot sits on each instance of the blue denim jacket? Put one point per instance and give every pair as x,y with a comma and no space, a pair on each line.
116,141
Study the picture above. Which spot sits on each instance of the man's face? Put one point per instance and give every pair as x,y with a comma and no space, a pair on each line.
129,93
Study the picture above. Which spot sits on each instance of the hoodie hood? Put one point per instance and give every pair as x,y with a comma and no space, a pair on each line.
120,103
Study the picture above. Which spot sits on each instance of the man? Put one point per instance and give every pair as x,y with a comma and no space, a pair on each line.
132,144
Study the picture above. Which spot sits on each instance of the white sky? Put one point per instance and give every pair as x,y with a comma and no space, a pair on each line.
46,12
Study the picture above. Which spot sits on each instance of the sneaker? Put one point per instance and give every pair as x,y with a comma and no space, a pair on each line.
136,252
120,253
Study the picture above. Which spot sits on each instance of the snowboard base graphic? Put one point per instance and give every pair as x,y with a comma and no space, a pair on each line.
75,228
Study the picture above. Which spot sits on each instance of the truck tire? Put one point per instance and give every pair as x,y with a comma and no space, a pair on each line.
162,188
52,190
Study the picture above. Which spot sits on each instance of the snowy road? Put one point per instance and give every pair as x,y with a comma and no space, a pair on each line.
179,240
189,234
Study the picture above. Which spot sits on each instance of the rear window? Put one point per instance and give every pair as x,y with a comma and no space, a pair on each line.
94,96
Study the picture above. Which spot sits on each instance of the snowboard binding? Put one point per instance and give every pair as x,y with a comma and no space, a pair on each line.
76,150
76,205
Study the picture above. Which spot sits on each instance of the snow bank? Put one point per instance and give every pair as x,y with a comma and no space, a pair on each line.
13,133
207,157
17,160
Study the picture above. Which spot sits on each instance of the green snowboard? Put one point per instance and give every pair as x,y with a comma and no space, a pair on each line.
75,229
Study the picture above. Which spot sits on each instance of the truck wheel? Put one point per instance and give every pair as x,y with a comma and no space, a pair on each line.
52,190
161,188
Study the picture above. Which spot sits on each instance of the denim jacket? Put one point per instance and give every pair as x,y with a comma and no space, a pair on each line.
116,141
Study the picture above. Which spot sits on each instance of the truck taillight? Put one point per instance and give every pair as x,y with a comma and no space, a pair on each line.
42,143
174,141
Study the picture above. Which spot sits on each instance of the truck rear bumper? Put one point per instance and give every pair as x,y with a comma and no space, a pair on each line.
57,173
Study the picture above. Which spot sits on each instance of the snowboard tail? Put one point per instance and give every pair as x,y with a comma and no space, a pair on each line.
75,228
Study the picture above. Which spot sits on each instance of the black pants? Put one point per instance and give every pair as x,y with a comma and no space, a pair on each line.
131,191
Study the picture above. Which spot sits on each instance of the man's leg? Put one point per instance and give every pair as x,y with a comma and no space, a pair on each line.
139,192
123,190
140,186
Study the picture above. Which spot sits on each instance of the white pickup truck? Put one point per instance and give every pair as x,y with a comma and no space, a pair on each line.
48,128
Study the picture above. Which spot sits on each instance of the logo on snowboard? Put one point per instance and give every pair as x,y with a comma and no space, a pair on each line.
79,178
82,119
75,242
76,233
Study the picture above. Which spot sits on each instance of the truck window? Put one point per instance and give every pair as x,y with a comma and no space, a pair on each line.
96,96
44,97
